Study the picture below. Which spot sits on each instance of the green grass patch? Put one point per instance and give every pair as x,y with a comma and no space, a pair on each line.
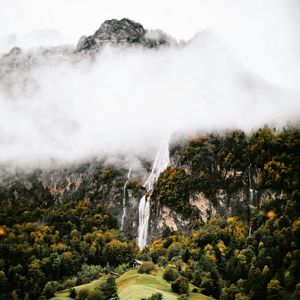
134,286
64,295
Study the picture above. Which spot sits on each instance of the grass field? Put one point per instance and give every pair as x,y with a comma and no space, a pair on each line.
134,286
63,295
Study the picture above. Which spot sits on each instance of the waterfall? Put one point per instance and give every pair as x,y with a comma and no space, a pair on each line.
251,194
161,162
281,195
251,191
144,214
124,199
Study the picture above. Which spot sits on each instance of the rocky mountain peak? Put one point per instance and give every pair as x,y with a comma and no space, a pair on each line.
124,32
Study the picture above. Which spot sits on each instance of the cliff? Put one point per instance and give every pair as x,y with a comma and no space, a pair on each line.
201,182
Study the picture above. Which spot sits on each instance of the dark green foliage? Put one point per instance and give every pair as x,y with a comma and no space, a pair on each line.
180,285
210,283
173,189
89,273
174,250
50,289
82,294
147,267
96,295
44,244
135,185
227,261
274,290
109,289
73,293
170,274
183,297
157,253
156,296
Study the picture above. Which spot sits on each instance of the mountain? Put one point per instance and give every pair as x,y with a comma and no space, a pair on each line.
222,211
123,32
218,209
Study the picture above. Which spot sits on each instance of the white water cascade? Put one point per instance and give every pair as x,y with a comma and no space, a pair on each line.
251,191
144,215
251,194
124,199
161,162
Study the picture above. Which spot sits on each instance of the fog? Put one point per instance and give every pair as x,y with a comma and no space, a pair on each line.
263,35
126,100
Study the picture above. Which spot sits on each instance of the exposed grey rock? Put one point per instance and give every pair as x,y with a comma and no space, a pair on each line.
123,32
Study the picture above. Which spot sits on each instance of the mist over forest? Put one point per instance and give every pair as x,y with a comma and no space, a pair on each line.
149,154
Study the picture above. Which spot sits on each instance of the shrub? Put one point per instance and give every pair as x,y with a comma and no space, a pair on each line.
50,288
183,297
156,296
173,189
121,269
109,289
157,253
89,273
95,295
82,294
180,286
147,267
69,283
174,250
73,293
162,261
170,274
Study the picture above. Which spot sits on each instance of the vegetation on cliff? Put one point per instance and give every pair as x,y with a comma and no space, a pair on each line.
49,243
268,159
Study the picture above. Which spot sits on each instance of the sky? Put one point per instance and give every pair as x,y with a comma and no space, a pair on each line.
262,34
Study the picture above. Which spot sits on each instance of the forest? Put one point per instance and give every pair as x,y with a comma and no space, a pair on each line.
47,245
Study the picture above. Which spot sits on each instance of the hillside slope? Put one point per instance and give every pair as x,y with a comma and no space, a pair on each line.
132,285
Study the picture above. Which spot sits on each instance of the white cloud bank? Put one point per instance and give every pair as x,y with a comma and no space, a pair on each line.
262,34
127,100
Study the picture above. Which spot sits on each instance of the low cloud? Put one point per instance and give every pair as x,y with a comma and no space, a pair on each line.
62,108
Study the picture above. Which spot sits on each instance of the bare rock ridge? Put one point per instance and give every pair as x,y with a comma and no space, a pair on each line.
124,32
16,64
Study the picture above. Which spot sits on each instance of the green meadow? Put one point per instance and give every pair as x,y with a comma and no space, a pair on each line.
135,286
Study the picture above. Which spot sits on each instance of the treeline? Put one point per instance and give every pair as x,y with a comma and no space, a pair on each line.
229,261
237,258
267,159
46,246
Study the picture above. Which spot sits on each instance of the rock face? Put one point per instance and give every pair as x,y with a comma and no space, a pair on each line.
164,220
100,184
122,32
104,184
16,65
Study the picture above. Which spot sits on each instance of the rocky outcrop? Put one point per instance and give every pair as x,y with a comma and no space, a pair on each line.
99,183
123,32
16,65
164,220
105,185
